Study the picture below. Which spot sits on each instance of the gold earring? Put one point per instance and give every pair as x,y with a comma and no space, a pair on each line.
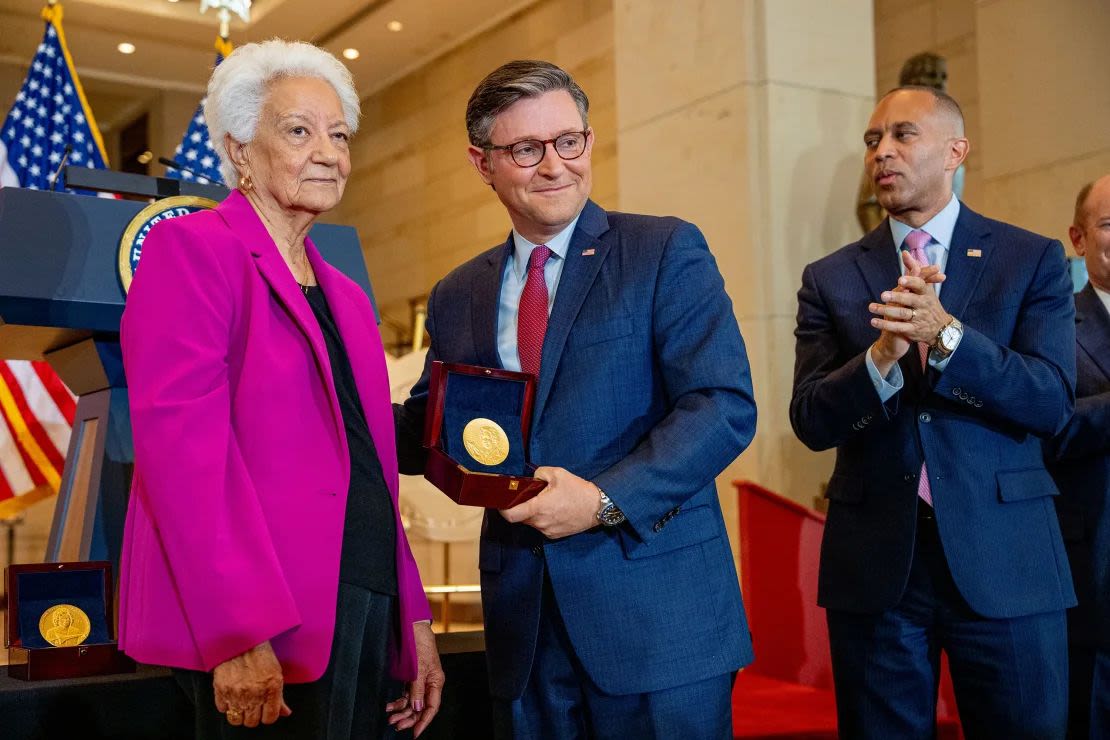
245,184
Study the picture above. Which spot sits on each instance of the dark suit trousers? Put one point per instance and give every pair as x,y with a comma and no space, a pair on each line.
348,701
1010,675
1100,697
560,702
1081,669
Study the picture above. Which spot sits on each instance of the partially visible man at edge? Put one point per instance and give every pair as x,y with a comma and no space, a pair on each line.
612,608
1079,460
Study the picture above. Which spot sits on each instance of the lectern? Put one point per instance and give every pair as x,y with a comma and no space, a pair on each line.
63,265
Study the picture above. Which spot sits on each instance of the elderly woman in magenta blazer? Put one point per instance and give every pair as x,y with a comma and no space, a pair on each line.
264,557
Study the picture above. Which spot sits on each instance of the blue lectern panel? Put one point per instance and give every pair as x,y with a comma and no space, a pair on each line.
59,256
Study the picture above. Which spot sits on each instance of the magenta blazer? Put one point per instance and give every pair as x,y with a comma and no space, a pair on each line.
241,465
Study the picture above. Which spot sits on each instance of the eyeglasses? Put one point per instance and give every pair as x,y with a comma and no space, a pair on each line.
530,152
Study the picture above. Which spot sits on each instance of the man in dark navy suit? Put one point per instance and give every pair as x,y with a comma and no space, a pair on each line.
1080,462
612,607
934,354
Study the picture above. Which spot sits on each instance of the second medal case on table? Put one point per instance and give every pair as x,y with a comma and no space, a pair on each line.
60,623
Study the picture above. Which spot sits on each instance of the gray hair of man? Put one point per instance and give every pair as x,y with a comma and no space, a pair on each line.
239,86
514,81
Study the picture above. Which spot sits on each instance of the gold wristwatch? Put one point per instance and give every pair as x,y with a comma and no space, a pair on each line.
948,338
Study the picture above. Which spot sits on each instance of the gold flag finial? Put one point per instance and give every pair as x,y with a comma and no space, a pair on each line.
52,13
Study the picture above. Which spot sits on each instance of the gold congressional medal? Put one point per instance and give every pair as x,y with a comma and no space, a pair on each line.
486,441
64,625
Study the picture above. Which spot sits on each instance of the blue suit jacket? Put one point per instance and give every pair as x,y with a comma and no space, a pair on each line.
977,424
644,389
1080,462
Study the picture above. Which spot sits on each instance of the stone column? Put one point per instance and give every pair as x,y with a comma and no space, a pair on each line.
1044,106
746,117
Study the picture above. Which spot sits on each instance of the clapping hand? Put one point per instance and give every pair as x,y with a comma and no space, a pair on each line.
911,312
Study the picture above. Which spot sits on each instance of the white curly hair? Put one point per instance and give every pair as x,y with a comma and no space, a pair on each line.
238,88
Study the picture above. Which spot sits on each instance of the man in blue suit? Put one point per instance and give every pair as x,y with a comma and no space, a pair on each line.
1080,462
941,532
612,607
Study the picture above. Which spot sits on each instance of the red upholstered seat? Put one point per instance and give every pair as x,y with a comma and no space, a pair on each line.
787,692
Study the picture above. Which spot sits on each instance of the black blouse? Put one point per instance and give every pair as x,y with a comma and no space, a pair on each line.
368,558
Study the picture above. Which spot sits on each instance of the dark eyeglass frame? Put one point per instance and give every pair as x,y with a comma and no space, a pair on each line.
585,134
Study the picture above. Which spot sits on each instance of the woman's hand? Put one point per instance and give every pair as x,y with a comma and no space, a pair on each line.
419,704
249,687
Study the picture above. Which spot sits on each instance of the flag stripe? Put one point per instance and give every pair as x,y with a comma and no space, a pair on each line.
30,417
42,407
13,466
13,472
28,431
16,431
5,489
58,391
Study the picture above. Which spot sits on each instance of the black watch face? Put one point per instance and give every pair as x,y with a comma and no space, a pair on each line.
611,516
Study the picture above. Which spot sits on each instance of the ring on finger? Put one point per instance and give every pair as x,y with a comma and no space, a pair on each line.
234,716
913,314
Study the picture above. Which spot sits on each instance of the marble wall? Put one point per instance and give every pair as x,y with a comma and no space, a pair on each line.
748,121
1029,75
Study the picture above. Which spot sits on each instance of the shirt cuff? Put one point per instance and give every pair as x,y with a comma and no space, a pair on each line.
888,386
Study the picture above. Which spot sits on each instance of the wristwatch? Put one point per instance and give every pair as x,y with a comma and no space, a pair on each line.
947,339
608,514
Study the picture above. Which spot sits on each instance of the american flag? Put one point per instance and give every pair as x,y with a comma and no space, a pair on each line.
50,115
195,152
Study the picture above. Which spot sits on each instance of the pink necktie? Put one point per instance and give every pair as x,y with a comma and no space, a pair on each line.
916,241
531,321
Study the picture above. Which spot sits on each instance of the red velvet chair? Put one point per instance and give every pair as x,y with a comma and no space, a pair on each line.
787,692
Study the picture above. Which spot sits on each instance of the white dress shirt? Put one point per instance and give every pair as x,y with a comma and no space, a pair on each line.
512,285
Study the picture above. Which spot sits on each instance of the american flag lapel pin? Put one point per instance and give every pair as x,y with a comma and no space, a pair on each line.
975,253
589,252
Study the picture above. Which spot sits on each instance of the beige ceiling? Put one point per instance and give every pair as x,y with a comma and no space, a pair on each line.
174,42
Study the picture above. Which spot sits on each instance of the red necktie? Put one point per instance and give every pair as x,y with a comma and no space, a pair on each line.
531,321
916,241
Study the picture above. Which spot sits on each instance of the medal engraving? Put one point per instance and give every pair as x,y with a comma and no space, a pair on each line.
64,625
486,441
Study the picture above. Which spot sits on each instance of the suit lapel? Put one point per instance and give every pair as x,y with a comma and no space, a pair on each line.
578,275
485,303
363,346
878,260
1092,327
962,273
248,228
